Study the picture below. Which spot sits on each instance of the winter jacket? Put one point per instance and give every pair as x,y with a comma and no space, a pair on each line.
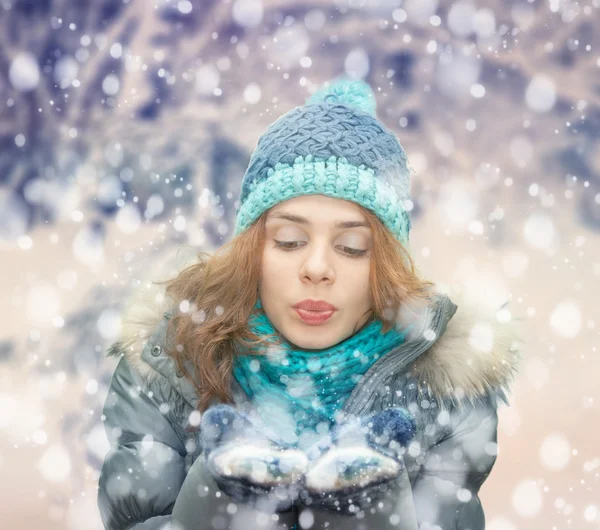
466,358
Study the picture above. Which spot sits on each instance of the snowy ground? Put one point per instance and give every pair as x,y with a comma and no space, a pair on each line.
116,120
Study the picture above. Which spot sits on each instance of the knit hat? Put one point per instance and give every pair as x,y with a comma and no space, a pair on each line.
335,146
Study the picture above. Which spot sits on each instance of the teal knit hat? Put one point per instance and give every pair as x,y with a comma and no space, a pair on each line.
335,146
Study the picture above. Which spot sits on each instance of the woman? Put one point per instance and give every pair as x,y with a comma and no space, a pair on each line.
323,216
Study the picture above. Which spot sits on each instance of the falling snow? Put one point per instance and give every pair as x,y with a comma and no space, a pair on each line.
126,128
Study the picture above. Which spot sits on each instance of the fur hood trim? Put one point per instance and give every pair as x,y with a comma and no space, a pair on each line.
478,355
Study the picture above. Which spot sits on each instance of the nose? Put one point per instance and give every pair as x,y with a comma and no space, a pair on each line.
317,265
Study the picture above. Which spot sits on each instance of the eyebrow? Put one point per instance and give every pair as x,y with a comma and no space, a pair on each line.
304,221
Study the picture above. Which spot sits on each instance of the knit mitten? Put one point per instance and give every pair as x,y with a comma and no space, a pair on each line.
349,467
245,463
363,454
388,431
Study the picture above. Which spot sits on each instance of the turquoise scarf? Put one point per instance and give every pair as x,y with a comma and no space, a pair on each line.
298,392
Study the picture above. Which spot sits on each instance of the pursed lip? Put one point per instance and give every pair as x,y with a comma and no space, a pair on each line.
315,305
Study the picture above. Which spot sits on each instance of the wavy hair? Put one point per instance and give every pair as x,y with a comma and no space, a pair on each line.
214,298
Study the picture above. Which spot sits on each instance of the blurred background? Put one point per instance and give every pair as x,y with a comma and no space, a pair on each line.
125,129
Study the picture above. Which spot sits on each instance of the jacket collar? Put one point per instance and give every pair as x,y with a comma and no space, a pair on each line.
473,352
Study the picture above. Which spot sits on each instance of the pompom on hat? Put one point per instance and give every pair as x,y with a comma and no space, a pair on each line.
333,145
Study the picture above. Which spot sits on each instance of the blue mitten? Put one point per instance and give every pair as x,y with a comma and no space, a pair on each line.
388,431
360,456
246,464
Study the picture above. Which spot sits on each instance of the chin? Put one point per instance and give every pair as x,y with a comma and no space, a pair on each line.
304,344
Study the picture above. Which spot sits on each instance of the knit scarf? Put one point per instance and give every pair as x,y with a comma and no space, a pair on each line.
298,391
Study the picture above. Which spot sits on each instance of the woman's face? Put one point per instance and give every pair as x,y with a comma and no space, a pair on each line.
309,257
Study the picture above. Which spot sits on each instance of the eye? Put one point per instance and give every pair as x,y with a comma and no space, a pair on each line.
354,251
288,246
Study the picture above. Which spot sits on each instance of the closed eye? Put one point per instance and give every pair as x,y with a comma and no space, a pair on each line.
287,246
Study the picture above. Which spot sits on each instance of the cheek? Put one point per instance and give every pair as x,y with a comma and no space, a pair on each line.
360,284
360,276
272,267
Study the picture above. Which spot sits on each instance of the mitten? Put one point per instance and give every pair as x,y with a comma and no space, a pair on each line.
245,463
359,457
388,431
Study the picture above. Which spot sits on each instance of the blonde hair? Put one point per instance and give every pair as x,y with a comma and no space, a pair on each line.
220,292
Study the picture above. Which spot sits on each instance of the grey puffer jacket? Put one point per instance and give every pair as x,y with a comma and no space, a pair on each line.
452,372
